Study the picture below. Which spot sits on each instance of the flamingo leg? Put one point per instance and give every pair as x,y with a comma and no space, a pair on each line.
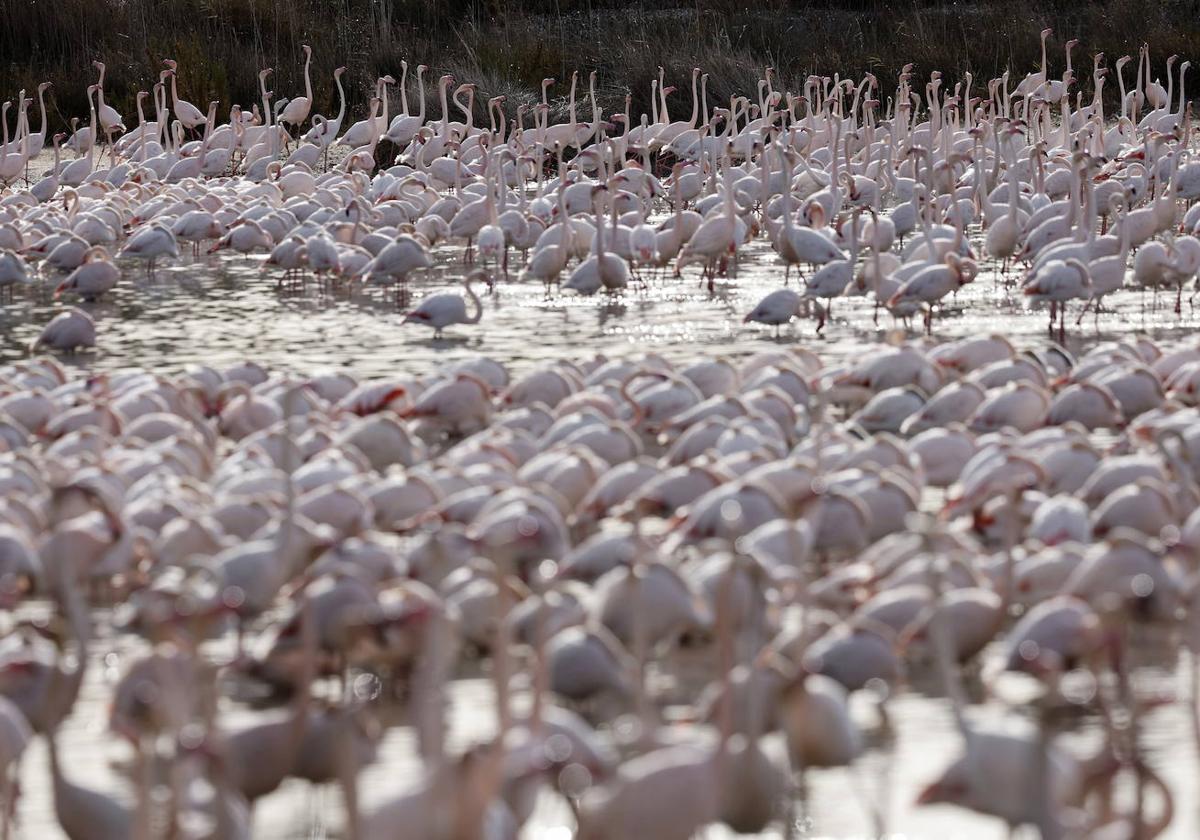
1083,311
8,800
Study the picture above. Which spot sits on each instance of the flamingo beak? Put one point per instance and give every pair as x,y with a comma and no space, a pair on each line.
930,794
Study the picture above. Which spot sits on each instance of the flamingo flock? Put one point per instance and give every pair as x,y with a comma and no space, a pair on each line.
801,532
901,204
682,581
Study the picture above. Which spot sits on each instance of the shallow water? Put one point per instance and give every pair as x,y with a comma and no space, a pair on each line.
223,308
219,310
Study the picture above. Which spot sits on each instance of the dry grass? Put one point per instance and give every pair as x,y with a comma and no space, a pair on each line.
508,47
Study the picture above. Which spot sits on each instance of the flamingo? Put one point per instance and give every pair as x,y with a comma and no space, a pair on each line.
93,278
150,243
11,166
441,310
188,114
602,268
404,127
76,172
716,238
68,331
776,309
1058,282
397,260
298,108
12,272
934,282
110,120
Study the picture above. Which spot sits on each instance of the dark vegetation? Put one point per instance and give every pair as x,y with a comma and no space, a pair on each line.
507,47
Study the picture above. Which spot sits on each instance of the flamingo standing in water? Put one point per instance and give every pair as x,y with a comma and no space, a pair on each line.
68,331
93,278
1057,282
776,309
442,310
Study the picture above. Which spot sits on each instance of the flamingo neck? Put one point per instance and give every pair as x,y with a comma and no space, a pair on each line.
41,105
421,87
695,103
341,98
478,314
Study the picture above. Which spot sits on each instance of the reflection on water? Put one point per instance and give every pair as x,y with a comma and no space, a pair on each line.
220,310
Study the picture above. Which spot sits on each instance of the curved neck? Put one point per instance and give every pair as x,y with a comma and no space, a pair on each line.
478,314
